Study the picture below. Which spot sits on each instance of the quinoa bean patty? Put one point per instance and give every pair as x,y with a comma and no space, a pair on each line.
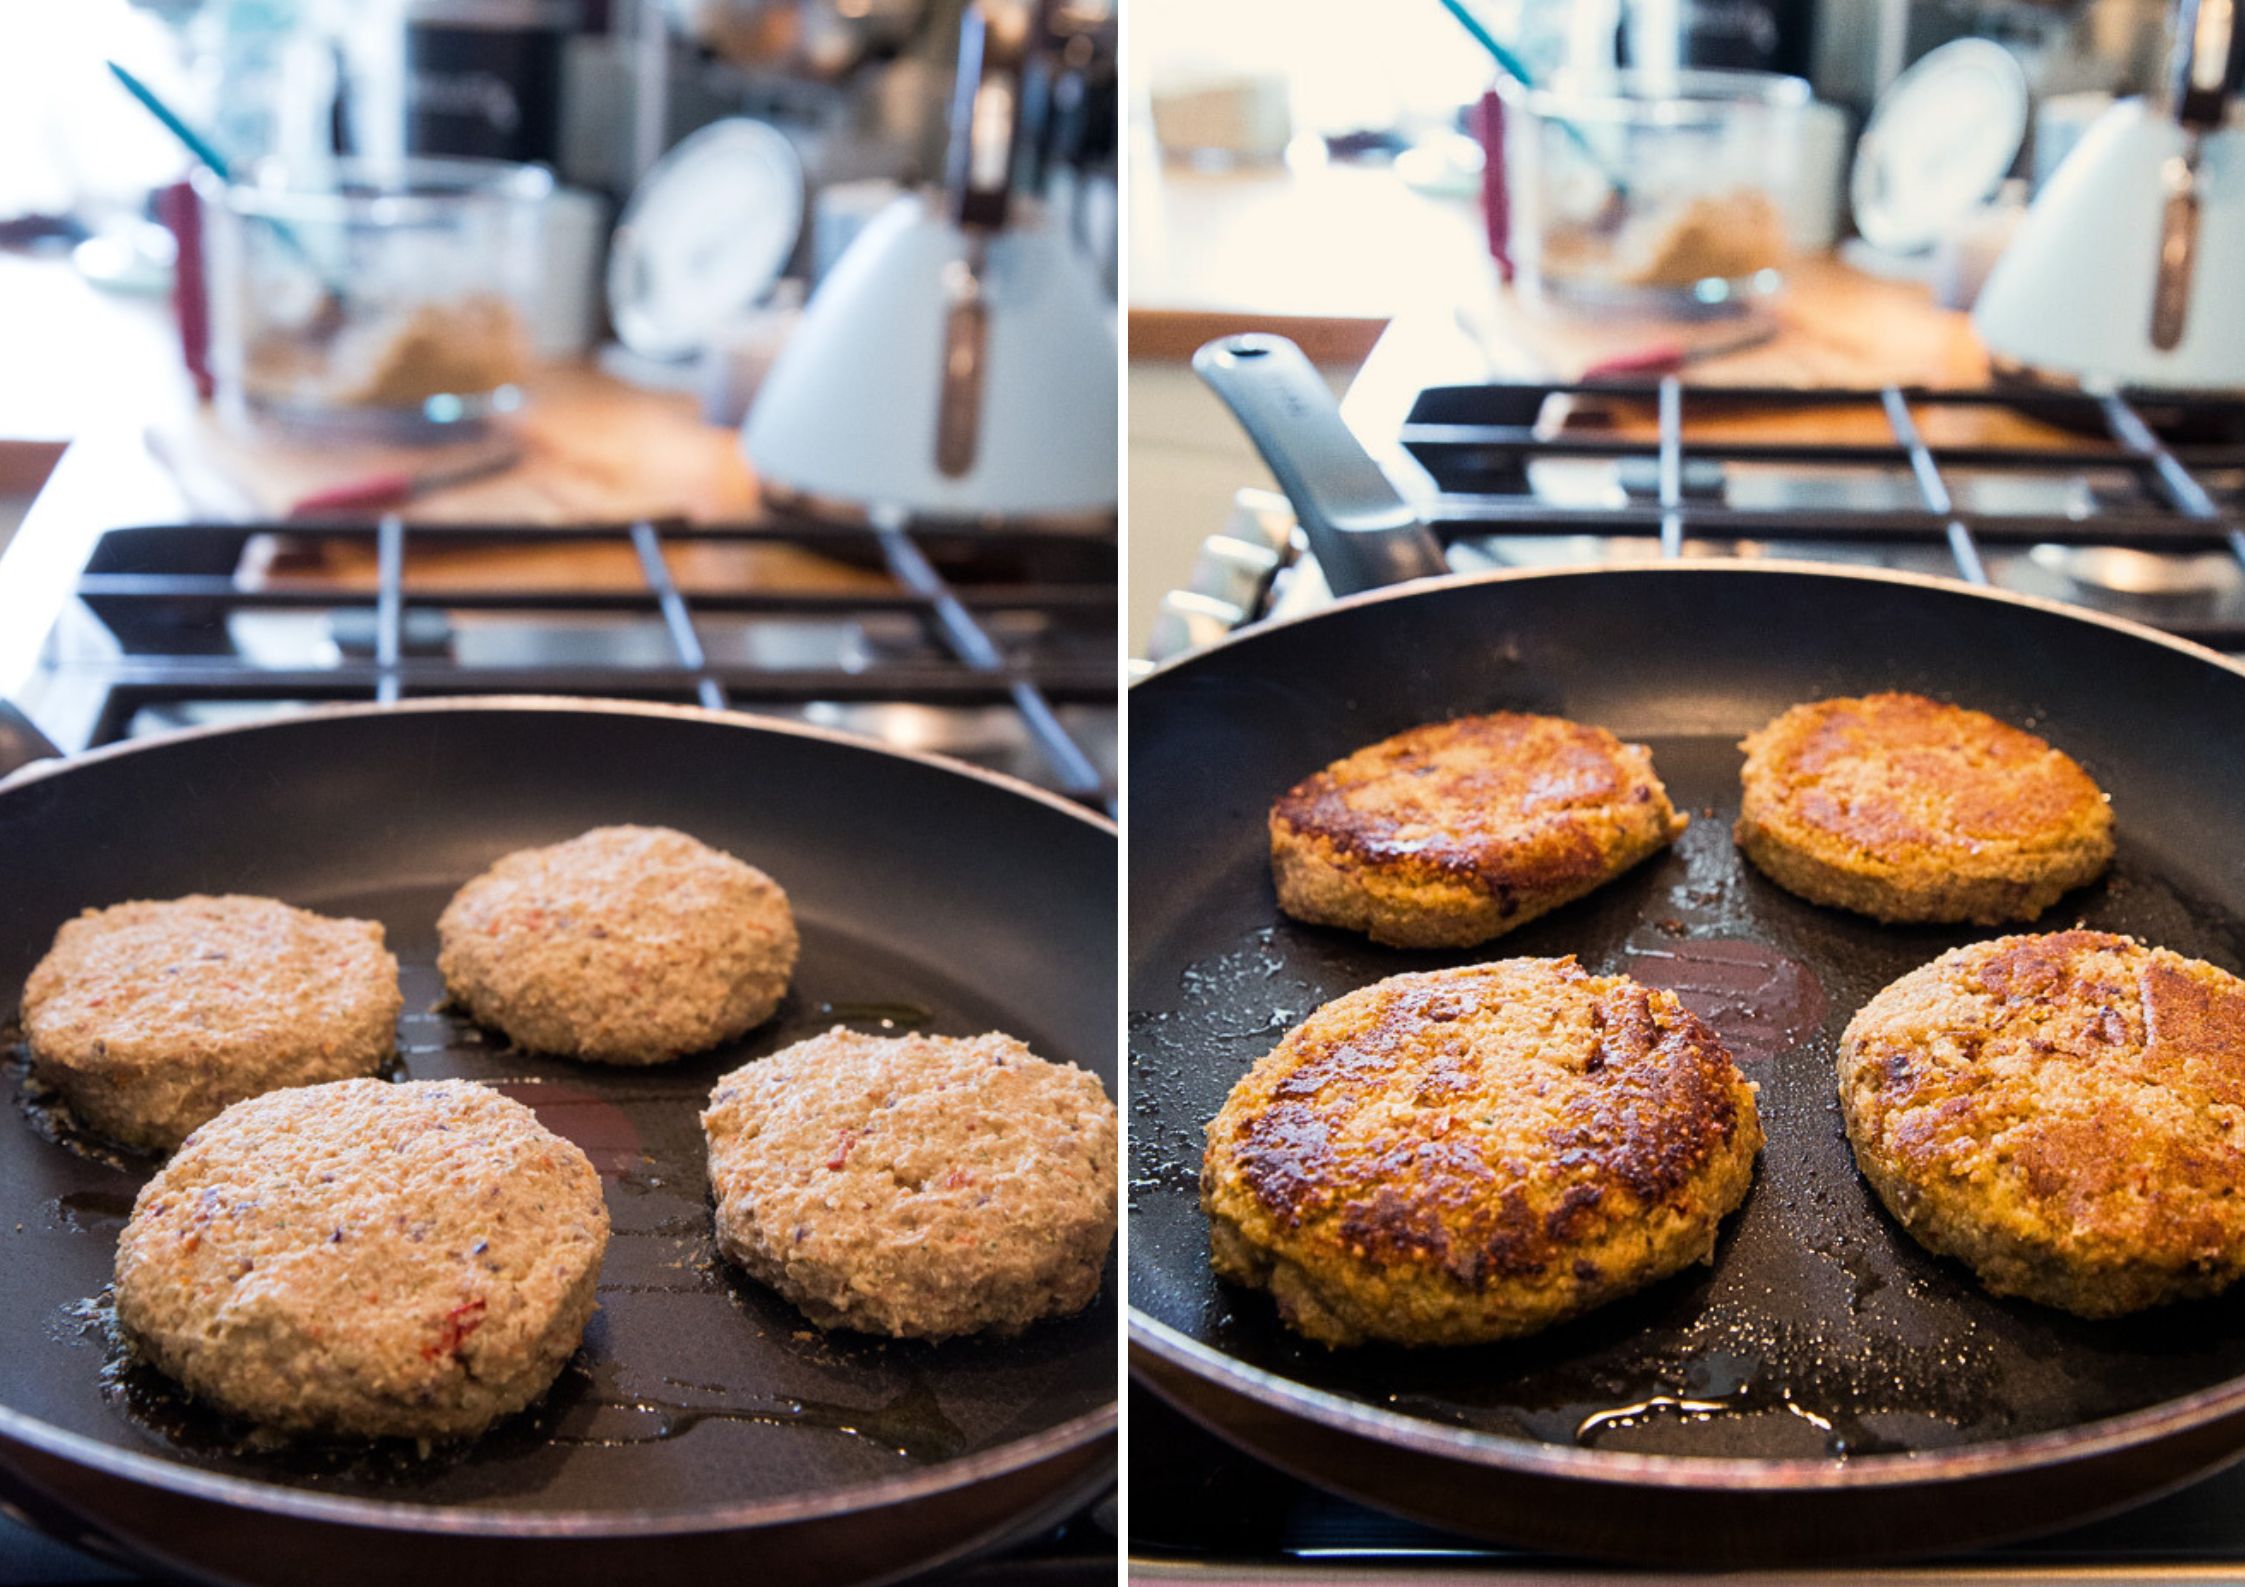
918,1186
1472,1154
150,1018
628,945
1456,832
415,1260
1905,809
2065,1114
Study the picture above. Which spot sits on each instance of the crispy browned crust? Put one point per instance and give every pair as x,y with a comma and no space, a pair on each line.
1453,833
2063,1113
1471,1154
1906,809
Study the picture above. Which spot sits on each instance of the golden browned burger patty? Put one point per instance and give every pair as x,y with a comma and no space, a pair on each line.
1902,808
150,1018
919,1186
412,1260
1449,834
628,945
1465,1155
2065,1114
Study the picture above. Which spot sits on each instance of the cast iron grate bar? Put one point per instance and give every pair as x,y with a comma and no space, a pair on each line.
972,645
216,590
1467,439
1932,486
926,682
676,619
389,604
1671,467
2176,483
1455,516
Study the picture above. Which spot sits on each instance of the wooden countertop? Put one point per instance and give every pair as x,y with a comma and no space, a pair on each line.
1333,253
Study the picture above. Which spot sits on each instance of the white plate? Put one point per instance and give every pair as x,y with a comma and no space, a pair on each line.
705,237
1941,140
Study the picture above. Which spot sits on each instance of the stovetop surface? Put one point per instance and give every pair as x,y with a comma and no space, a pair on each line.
1079,1554
1196,1498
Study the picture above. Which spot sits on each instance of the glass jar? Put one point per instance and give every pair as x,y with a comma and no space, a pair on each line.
1664,193
392,297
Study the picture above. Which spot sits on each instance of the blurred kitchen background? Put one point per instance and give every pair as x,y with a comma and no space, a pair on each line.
1800,194
753,353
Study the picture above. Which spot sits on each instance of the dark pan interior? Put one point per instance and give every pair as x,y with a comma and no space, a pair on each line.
1820,1329
927,899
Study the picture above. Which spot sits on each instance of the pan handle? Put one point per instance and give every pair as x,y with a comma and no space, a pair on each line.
20,742
1364,533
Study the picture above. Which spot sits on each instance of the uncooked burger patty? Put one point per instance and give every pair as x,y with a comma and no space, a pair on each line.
919,1186
628,945
2065,1114
1456,832
150,1018
1472,1154
1905,809
414,1260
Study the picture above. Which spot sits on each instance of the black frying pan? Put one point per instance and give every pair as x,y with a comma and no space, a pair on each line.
704,1428
1855,1395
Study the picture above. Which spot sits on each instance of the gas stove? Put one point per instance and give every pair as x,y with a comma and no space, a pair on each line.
992,647
2123,505
2129,506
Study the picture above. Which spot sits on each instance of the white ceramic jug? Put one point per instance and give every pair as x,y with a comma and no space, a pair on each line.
2075,289
960,359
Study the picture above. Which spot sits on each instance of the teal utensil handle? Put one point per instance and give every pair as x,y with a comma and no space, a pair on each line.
1517,69
207,152
197,145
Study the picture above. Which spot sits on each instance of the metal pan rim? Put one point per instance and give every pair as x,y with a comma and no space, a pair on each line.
1687,1473
1694,567
477,1521
560,704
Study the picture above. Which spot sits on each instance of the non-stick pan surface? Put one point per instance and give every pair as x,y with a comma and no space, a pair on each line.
1842,1392
701,1406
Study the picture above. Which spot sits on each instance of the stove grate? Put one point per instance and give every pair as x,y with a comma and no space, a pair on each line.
167,593
2184,461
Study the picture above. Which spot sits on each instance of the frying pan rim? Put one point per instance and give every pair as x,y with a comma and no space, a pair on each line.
482,1521
1688,1473
1693,565
1683,1472
1019,1454
559,704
